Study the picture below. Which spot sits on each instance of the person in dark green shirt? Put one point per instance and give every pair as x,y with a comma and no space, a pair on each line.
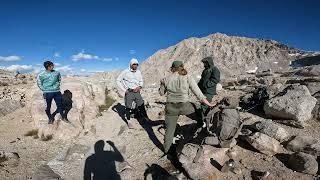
210,77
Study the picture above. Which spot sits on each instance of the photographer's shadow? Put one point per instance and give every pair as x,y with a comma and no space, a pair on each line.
101,165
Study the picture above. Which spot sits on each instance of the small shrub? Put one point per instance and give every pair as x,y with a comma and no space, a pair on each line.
107,103
33,132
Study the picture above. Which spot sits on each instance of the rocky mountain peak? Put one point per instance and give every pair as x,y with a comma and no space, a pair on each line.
232,55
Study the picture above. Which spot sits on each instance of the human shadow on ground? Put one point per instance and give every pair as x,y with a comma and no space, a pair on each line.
101,165
146,125
121,110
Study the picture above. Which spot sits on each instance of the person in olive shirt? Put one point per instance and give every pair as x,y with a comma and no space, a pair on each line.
210,77
176,86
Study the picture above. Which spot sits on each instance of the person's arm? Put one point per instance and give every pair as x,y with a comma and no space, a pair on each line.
140,80
119,82
140,83
196,90
118,157
162,89
214,78
40,81
87,169
59,80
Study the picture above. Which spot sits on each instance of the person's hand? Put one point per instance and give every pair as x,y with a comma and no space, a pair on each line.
162,81
212,104
137,89
121,94
110,142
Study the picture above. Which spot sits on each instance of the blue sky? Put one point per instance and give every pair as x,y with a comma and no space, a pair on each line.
85,36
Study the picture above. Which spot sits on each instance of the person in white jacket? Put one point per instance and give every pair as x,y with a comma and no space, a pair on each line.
130,83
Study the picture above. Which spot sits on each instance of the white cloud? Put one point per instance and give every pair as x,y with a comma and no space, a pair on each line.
107,59
57,64
22,68
84,56
56,54
83,70
65,69
10,58
132,51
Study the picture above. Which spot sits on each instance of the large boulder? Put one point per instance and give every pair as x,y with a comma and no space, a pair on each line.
272,129
8,106
310,71
294,103
304,144
197,162
313,87
264,144
304,163
45,172
84,110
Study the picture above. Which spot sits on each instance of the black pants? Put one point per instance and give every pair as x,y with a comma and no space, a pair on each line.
58,100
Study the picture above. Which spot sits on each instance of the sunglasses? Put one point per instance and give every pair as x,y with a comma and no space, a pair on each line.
135,64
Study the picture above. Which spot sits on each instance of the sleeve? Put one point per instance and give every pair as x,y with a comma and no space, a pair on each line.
119,82
162,89
40,81
59,78
195,89
214,78
140,79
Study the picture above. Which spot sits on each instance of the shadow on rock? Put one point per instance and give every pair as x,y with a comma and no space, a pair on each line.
158,173
147,126
121,110
284,158
101,165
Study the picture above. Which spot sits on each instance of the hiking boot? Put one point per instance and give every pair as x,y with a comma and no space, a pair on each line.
50,121
65,120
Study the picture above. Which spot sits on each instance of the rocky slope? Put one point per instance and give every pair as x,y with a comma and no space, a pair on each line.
233,56
282,143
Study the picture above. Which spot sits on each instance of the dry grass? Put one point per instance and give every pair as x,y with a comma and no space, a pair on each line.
33,132
107,103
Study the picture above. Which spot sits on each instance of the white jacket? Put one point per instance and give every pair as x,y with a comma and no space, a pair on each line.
129,79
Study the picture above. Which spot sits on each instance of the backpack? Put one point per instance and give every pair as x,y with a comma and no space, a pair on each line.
258,99
225,124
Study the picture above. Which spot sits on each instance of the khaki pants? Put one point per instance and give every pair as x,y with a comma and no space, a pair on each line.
131,98
173,111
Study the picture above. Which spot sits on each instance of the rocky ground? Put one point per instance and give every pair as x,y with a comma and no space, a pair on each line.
281,139
71,150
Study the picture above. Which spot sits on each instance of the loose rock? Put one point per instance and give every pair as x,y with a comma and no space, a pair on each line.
264,144
304,163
